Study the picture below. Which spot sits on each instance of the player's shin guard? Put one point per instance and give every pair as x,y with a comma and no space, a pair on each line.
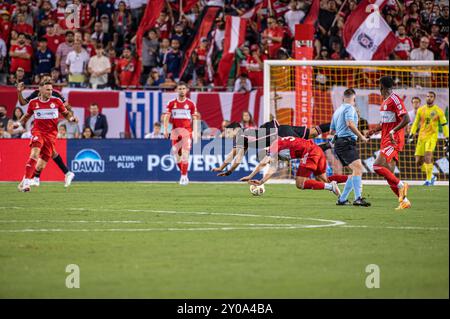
392,180
338,178
30,167
58,160
347,189
312,184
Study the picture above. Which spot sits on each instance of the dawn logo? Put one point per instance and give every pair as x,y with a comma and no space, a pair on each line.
88,161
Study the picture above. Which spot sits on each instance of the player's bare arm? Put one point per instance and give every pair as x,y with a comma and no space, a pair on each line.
23,121
20,88
266,160
195,122
272,170
166,125
405,121
237,161
228,160
355,130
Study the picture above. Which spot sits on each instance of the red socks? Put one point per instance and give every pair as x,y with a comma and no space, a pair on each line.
389,176
184,167
30,167
338,178
312,184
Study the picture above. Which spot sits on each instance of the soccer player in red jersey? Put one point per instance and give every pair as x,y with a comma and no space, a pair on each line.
182,113
312,161
394,118
46,110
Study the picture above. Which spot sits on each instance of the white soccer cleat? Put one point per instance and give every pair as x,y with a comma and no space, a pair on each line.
35,181
335,189
184,180
24,185
68,179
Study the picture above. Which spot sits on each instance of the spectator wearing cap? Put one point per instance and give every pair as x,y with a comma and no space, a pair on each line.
77,61
173,59
155,79
62,52
404,46
255,66
436,40
99,35
5,25
273,37
179,34
21,55
53,39
242,84
125,69
99,67
44,58
149,56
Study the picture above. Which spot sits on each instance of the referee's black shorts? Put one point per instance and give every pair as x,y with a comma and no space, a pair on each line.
346,150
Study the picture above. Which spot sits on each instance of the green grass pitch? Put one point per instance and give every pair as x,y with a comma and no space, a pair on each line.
139,240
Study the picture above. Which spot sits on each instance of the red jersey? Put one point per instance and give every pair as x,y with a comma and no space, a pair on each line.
23,28
404,47
201,56
126,69
272,45
46,114
19,62
293,147
181,113
5,30
391,111
54,41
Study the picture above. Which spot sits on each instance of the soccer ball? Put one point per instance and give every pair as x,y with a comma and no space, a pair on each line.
257,190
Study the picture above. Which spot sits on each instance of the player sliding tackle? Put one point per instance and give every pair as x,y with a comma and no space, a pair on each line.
312,161
182,113
68,176
394,118
261,138
45,109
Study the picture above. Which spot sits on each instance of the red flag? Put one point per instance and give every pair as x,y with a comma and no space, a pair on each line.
187,5
152,12
366,34
234,38
313,13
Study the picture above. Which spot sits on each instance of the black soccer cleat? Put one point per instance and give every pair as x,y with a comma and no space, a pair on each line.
361,202
344,203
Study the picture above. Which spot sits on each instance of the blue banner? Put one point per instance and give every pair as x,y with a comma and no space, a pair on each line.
149,160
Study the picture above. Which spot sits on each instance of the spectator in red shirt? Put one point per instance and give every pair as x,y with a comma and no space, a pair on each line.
125,69
89,44
273,37
60,10
255,66
53,39
21,26
5,26
404,46
20,55
85,15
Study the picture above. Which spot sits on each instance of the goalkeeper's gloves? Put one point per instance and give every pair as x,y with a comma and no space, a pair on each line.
410,139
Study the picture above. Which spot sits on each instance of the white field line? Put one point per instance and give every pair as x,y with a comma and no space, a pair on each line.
230,226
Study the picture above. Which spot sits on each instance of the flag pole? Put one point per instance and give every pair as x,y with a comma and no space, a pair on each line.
337,14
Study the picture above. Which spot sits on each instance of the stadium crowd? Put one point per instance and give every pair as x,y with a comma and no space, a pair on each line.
93,43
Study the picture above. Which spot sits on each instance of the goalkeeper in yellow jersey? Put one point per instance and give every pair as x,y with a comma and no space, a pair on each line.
428,118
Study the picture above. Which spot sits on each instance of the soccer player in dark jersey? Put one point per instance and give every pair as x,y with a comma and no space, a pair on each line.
261,138
68,175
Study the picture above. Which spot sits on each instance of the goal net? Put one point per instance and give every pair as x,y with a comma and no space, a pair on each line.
300,92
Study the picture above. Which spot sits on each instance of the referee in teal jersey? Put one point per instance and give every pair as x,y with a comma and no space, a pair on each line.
345,126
